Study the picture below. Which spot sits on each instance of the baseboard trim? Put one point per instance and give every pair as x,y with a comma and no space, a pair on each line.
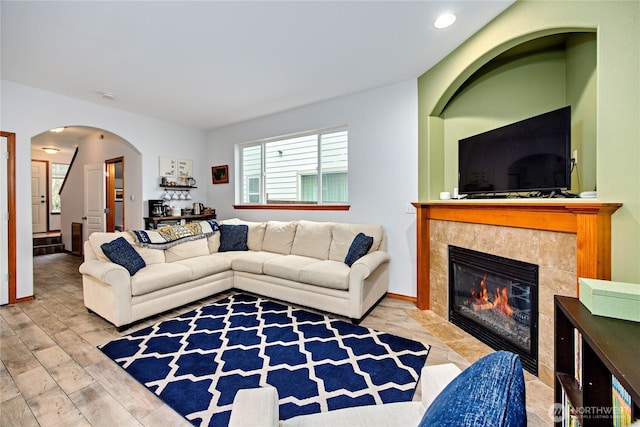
402,297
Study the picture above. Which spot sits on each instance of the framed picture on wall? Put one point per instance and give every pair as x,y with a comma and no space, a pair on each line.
185,168
220,174
167,167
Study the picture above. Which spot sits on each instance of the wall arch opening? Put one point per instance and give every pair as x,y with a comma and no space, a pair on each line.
79,146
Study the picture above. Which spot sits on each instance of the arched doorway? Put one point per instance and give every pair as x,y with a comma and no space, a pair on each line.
82,148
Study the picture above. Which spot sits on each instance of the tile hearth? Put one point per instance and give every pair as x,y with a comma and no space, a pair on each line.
53,374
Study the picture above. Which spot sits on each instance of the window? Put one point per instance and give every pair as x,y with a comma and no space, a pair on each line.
308,168
58,172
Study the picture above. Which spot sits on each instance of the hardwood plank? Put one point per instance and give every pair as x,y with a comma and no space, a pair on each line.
16,412
100,408
7,386
55,409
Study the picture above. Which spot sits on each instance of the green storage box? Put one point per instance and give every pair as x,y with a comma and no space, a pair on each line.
611,299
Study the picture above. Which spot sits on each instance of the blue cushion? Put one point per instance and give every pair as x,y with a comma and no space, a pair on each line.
122,253
359,248
488,393
233,238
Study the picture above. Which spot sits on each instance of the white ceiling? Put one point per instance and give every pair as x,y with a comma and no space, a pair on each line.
206,64
67,140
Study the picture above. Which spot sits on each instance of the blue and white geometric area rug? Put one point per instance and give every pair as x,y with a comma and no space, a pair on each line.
198,361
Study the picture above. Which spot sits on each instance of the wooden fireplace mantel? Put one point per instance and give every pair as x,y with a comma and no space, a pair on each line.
589,220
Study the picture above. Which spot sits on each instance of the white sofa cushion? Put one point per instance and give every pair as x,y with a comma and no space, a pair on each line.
278,237
159,276
186,250
312,239
343,235
252,262
255,236
213,242
207,265
389,414
150,256
98,239
287,267
327,273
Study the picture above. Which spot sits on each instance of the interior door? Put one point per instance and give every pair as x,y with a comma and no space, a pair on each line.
4,225
115,194
110,218
39,200
94,210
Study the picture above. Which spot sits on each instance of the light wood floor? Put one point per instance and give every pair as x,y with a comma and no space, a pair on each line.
52,374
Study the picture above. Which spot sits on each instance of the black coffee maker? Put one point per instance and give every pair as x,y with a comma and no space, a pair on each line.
156,208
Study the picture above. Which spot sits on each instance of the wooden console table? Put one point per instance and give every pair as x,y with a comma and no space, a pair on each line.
151,223
590,221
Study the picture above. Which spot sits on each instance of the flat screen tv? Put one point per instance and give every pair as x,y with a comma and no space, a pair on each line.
530,156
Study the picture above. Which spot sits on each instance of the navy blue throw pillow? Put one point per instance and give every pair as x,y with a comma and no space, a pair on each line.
122,253
233,238
359,248
488,393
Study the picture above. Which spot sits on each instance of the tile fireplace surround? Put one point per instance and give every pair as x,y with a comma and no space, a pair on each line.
567,238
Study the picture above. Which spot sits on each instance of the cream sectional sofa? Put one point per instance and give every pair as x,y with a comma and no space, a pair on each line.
301,262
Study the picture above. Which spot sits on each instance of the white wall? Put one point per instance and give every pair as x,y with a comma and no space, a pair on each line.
96,148
27,112
383,166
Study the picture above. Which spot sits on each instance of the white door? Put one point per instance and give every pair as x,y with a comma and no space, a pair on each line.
39,196
94,215
4,225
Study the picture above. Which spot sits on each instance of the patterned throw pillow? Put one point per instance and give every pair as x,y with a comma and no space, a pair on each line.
359,248
122,253
233,238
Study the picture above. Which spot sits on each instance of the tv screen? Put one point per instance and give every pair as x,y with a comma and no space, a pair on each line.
532,155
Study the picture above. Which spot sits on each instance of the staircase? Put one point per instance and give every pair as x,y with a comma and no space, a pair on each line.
47,243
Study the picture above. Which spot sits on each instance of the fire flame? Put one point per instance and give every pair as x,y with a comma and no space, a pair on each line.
481,297
500,302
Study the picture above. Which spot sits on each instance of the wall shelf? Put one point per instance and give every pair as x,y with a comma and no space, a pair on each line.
178,187
608,347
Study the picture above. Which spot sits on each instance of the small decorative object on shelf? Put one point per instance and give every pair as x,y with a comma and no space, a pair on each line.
619,300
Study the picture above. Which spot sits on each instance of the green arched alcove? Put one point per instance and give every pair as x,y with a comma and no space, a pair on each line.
524,77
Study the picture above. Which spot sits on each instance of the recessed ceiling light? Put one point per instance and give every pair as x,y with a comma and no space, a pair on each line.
51,150
58,130
445,20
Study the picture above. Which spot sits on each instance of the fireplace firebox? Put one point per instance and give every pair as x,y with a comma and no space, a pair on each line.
495,299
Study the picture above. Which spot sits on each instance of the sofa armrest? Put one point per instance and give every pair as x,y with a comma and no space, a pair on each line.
106,272
255,407
434,379
366,265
